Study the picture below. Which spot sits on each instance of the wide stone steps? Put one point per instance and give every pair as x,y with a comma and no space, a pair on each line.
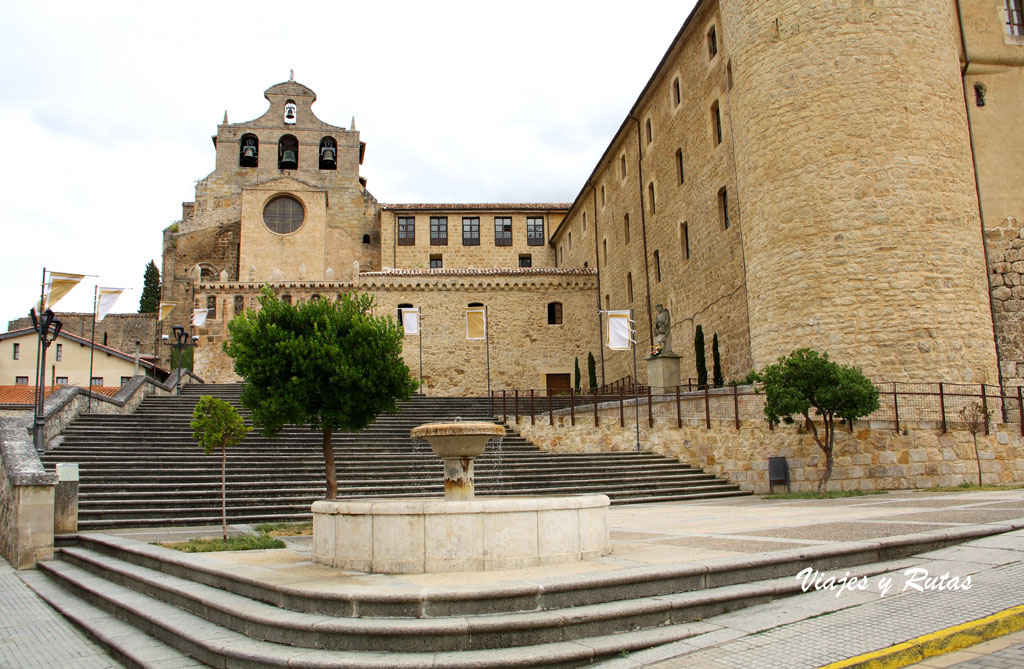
202,607
145,469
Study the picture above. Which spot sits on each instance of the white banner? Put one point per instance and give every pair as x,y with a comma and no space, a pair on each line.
476,323
105,301
411,320
619,330
199,317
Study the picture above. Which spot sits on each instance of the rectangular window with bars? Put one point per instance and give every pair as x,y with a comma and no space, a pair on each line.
471,231
97,381
1015,18
502,231
211,308
17,351
21,380
535,231
406,231
60,352
439,231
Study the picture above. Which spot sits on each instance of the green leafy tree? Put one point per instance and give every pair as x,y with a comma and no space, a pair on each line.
702,363
329,365
150,290
716,362
577,375
216,424
806,380
591,370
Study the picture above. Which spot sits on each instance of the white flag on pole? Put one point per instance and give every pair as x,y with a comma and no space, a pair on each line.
105,301
411,320
619,330
199,317
476,323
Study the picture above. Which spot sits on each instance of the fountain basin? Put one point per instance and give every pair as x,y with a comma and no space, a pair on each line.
414,536
458,444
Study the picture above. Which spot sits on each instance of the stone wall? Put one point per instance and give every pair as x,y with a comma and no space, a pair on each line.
871,457
26,497
119,331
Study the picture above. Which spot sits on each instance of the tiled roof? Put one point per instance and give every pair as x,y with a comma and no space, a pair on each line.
476,206
494,271
22,394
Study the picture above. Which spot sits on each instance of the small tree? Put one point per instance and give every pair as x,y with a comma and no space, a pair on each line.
976,418
698,352
577,375
150,290
716,369
806,380
216,424
591,370
329,365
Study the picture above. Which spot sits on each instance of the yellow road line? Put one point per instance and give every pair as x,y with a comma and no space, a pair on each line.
938,643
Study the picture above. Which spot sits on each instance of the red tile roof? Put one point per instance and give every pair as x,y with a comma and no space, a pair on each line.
21,394
478,206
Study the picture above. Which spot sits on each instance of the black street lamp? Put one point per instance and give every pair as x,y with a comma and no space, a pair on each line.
181,342
48,328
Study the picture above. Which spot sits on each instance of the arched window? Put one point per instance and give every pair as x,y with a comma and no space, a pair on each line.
239,305
366,239
554,313
248,150
404,305
328,154
288,153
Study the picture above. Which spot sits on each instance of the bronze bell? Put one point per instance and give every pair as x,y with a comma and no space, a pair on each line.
288,161
249,151
327,154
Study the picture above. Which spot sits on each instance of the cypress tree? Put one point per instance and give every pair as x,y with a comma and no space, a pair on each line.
716,369
150,290
577,384
591,370
698,351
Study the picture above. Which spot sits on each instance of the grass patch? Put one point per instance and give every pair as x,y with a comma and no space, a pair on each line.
286,529
247,542
970,487
829,494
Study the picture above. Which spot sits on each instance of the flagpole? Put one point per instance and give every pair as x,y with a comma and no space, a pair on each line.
420,337
92,343
487,343
636,382
40,375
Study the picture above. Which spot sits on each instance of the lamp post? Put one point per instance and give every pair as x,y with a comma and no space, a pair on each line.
48,328
180,342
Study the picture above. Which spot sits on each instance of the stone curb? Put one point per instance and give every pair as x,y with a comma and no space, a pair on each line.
942,642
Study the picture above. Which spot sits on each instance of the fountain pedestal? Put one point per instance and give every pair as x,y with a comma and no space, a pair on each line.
461,532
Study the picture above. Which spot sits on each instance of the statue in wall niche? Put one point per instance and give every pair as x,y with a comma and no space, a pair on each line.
663,331
302,271
252,272
329,274
223,275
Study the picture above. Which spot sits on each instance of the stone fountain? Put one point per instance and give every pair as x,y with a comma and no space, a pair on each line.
462,532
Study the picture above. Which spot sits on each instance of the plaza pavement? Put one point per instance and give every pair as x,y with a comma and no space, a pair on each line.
808,630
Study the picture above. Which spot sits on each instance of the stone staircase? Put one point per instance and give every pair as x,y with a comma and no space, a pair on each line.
145,469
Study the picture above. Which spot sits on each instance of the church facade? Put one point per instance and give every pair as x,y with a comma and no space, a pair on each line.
842,176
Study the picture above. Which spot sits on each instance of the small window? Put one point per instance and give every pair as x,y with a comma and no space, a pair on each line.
1014,18
471,231
328,154
17,351
502,231
211,308
561,254
650,196
97,381
248,151
366,240
657,267
104,338
21,380
679,166
716,120
607,302
436,261
125,379
650,132
314,298
723,207
60,352
684,240
239,305
61,381
604,201
677,95
287,299
712,43
406,231
554,313
625,229
629,285
570,240
979,94
525,260
584,223
622,166
535,232
604,247
404,305
438,231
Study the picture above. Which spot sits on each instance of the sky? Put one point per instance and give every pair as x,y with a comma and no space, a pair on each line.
108,109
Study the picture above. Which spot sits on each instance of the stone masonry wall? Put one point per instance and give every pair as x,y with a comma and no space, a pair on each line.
119,331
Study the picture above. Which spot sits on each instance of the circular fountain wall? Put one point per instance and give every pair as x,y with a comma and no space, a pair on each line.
461,532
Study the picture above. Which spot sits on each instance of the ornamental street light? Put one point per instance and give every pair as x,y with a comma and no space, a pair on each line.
180,342
48,328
